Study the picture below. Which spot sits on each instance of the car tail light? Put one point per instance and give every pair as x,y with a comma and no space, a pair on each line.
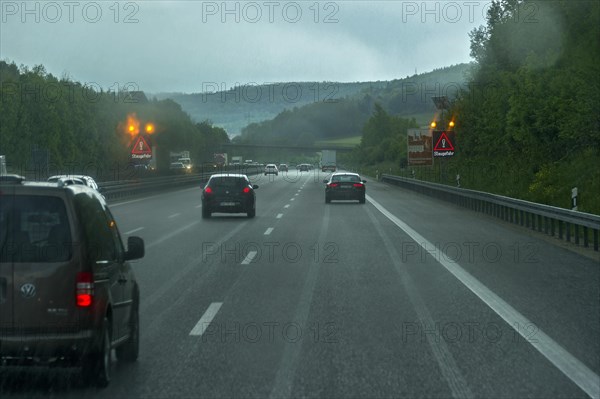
333,184
208,190
84,289
358,185
246,190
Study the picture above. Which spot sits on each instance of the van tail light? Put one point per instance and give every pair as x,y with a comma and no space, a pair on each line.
333,184
246,190
84,289
208,190
358,185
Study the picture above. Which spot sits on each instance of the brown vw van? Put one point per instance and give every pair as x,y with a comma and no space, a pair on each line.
67,292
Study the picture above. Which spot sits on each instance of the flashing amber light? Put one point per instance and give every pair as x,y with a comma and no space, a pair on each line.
433,125
149,128
451,124
132,126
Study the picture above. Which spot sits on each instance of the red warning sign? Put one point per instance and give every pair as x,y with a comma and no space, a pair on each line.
141,147
444,146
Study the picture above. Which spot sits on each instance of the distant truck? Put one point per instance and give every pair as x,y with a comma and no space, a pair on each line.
237,160
220,160
328,162
183,157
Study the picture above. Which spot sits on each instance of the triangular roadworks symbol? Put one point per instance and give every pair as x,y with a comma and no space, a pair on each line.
141,147
443,143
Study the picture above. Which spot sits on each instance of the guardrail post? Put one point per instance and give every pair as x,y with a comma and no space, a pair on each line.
576,234
595,240
586,239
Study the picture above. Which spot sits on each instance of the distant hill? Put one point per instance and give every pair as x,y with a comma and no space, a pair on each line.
345,117
246,105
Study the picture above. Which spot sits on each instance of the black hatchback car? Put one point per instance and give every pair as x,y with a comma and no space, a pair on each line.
229,193
345,186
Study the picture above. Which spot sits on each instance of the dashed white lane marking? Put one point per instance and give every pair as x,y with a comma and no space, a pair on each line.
279,215
286,206
291,199
133,231
295,195
568,364
268,231
249,257
174,215
198,206
206,318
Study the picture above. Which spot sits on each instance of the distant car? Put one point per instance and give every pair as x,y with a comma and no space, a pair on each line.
178,167
75,179
229,193
68,295
345,186
304,167
271,169
283,167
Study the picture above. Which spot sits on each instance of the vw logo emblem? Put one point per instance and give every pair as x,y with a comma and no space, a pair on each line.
28,290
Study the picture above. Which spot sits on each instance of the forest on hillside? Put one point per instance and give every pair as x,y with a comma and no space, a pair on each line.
82,128
345,117
529,124
528,120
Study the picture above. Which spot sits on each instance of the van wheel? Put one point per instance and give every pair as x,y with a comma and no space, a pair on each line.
96,366
129,351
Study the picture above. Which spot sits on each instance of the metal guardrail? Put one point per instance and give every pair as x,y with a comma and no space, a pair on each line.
126,188
576,227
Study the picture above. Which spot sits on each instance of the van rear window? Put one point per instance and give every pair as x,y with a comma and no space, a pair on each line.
34,228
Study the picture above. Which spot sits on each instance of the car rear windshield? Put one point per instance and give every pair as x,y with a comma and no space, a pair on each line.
225,181
34,229
346,178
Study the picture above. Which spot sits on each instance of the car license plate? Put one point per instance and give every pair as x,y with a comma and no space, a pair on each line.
227,203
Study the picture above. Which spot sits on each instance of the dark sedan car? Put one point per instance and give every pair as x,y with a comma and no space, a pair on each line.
229,193
345,186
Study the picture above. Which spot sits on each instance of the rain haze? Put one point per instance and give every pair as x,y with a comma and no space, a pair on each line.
187,46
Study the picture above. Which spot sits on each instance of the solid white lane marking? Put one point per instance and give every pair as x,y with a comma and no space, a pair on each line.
134,230
568,364
286,206
279,215
174,215
206,318
269,230
249,257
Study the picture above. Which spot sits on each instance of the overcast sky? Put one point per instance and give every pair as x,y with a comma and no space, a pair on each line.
185,46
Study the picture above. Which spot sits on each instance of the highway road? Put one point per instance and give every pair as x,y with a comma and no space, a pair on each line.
404,296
